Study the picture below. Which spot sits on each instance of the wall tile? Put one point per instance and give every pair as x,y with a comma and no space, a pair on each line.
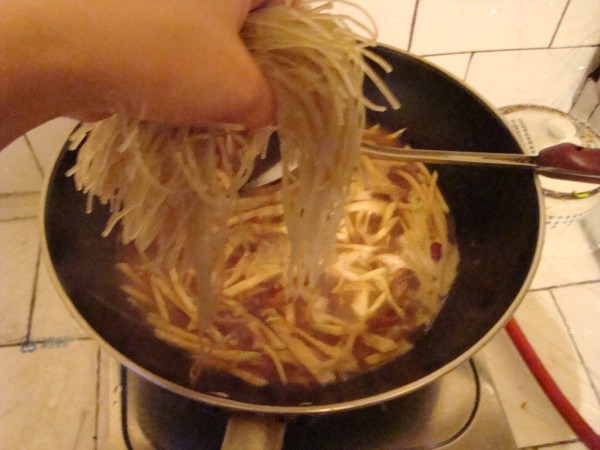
543,77
580,24
587,100
48,139
18,169
48,397
393,19
19,253
454,26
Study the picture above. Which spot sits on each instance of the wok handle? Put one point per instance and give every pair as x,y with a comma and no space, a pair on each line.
570,162
253,432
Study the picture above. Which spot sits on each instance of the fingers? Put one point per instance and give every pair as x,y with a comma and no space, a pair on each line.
253,104
224,86
242,94
194,70
228,83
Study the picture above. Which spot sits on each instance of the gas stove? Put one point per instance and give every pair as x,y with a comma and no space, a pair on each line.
459,410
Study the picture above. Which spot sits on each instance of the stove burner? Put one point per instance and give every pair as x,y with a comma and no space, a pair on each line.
460,410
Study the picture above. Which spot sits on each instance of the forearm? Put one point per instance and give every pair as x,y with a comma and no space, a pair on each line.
33,69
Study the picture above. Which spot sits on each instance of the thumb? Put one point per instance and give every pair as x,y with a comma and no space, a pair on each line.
247,97
225,86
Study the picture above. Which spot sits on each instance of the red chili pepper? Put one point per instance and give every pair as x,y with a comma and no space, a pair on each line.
436,251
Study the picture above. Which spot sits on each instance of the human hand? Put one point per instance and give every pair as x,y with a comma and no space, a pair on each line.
175,61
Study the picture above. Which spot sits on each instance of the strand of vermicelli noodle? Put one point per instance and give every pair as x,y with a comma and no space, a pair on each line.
173,189
169,189
321,117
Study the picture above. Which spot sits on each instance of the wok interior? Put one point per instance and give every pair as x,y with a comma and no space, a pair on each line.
497,218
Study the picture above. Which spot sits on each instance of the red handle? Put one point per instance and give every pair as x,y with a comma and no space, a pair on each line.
584,162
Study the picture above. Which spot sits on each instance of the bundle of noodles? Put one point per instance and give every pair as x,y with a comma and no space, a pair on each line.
172,189
316,69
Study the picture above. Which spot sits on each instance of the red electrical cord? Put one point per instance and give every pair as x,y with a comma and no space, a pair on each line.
577,423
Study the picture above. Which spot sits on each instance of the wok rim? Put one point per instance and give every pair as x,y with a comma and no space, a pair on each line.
304,409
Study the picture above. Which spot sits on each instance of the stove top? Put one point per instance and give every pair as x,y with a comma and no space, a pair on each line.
460,410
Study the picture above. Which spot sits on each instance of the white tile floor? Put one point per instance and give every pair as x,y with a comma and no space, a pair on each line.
49,369
560,319
18,267
49,396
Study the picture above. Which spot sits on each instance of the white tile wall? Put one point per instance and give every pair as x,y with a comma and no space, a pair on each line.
579,25
511,51
587,101
449,26
395,30
548,77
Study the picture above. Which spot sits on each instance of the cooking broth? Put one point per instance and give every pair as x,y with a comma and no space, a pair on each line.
395,263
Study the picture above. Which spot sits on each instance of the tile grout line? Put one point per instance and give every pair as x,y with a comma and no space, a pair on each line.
35,158
550,445
412,26
566,285
560,21
48,340
576,347
511,49
36,276
18,193
14,219
471,56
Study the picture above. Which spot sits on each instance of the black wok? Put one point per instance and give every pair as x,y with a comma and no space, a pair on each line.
498,229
